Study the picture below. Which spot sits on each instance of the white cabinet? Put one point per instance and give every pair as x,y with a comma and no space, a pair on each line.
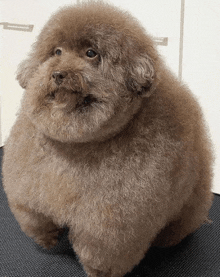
160,19
197,59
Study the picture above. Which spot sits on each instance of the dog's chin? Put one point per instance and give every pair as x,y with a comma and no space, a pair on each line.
69,117
62,99
63,122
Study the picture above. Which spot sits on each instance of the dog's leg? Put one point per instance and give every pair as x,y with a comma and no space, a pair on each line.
193,214
37,226
112,260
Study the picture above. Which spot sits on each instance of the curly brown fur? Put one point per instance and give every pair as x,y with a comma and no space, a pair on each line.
107,142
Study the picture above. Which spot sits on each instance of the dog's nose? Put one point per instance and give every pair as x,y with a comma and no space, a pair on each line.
59,76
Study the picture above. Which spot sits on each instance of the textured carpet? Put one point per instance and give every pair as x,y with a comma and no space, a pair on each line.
198,255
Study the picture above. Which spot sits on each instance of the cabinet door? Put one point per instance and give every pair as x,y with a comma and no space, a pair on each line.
162,20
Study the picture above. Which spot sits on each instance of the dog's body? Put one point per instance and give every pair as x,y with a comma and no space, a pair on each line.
107,143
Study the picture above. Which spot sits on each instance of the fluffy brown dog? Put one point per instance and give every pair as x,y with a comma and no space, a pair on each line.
107,143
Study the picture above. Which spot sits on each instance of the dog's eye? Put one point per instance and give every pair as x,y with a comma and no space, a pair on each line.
91,53
58,51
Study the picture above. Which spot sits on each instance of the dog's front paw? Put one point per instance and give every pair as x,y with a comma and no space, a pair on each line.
91,272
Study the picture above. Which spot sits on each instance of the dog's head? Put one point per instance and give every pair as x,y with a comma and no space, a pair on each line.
87,73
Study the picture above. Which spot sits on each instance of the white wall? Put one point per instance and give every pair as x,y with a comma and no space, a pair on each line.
201,54
201,65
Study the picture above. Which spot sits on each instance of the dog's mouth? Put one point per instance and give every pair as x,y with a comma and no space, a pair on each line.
70,100
60,95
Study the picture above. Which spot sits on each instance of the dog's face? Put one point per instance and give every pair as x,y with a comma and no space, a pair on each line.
87,74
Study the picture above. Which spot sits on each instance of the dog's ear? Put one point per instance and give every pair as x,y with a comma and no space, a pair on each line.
25,70
141,75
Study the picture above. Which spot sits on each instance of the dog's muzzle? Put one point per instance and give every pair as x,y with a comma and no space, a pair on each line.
58,76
